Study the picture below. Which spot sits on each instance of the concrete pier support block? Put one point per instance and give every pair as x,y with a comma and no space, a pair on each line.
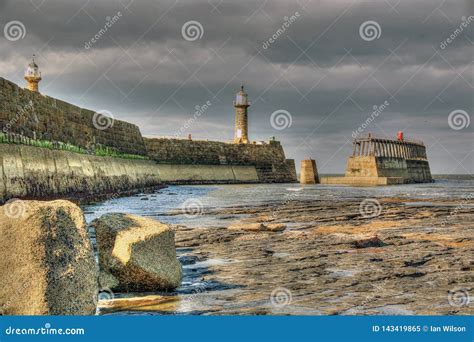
309,172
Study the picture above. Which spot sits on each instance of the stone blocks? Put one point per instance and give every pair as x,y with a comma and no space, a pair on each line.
309,172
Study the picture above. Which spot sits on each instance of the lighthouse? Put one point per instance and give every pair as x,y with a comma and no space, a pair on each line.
32,76
241,104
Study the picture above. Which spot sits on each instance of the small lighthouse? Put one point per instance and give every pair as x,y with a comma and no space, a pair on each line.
241,104
32,76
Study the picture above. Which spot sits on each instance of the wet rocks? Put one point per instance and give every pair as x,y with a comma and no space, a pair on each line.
382,266
139,252
417,262
164,304
47,265
250,227
276,227
188,260
371,242
258,227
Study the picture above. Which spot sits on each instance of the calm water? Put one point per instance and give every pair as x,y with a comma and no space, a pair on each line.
165,205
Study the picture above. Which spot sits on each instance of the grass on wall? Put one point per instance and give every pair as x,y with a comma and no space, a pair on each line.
99,150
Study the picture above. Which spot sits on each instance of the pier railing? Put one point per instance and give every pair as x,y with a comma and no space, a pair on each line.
387,138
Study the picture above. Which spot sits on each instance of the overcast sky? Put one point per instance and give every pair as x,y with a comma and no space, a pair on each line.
324,69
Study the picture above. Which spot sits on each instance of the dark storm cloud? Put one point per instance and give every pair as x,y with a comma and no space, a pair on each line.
319,69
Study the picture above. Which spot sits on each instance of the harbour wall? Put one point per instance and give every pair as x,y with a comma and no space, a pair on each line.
268,159
37,116
34,172
31,115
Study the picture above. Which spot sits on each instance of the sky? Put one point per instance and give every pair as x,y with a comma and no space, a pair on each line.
317,72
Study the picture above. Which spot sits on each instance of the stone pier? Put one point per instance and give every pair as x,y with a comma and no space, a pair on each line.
384,161
87,154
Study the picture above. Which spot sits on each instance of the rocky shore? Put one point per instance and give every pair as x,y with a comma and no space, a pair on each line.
326,257
413,258
296,256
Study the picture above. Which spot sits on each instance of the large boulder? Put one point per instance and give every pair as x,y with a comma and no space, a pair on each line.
138,252
47,265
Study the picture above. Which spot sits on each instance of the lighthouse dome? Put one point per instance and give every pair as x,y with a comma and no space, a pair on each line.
32,70
241,99
33,64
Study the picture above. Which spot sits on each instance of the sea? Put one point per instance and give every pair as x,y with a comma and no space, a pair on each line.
176,204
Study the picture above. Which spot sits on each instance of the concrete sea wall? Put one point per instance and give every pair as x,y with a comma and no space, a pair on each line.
206,174
362,181
33,172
